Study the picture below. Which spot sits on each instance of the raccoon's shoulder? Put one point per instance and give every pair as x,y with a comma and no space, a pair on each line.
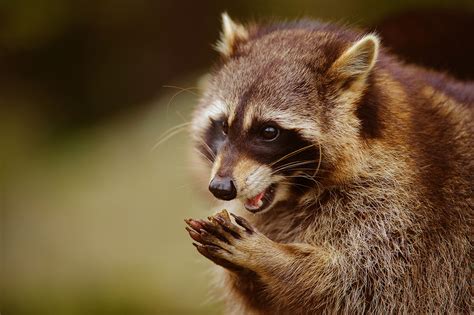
415,78
462,92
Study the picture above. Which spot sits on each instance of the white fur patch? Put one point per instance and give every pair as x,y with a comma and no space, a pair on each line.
216,166
215,110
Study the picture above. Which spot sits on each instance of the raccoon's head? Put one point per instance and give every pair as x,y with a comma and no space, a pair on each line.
280,111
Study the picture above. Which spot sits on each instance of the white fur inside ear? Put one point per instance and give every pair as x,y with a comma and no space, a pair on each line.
358,59
231,33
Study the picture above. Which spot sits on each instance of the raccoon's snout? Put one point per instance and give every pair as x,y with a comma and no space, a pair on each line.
223,188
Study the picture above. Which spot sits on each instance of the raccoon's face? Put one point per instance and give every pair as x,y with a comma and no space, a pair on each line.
254,138
261,125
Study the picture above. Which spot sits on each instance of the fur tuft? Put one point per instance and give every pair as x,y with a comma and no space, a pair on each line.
231,34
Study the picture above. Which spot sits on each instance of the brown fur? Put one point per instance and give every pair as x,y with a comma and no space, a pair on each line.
388,226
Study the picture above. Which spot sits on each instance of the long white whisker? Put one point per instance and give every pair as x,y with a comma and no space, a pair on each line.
208,148
170,133
291,154
302,176
181,90
182,125
204,156
294,184
320,159
293,164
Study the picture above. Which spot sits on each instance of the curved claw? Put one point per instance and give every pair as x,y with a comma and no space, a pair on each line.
229,227
194,224
212,253
194,235
224,215
212,239
243,223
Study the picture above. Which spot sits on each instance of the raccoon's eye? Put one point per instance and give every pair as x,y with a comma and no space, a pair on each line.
225,127
269,133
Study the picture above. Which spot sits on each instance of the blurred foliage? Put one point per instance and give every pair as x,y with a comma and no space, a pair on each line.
91,217
94,223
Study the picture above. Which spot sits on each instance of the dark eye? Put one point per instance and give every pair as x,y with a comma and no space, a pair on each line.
269,133
225,127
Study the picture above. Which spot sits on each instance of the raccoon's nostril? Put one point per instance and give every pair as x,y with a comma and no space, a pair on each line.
223,188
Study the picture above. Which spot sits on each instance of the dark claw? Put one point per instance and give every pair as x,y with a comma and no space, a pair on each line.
194,235
195,224
220,221
224,215
213,248
208,225
243,223
227,226
212,229
209,252
204,233
202,250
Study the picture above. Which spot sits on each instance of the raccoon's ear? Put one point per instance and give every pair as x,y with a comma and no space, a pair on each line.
357,61
231,34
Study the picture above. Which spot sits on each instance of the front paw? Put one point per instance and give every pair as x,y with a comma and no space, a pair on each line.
227,244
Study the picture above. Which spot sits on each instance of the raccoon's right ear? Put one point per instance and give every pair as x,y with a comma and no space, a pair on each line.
232,33
358,60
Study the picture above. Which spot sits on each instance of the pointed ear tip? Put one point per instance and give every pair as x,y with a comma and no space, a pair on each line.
225,16
370,39
360,57
231,33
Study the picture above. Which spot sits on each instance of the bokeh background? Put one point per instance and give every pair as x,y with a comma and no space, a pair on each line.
91,217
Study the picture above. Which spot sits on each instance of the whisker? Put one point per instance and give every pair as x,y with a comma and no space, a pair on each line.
175,127
289,165
205,156
170,133
181,116
287,156
320,159
181,90
302,169
294,184
294,163
208,148
302,176
292,153
312,180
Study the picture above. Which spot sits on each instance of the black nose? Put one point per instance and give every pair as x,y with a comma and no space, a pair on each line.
223,188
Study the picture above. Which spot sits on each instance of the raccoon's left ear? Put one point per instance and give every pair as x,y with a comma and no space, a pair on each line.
358,60
232,33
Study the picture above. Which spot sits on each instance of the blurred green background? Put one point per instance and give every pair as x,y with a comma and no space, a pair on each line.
91,217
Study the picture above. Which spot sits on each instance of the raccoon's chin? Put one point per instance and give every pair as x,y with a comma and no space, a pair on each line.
262,201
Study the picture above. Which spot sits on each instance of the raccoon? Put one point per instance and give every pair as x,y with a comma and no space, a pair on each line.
348,173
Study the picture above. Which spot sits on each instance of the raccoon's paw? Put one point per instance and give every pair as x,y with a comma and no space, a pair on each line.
224,242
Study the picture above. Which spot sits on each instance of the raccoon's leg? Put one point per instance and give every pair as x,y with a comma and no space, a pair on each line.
290,273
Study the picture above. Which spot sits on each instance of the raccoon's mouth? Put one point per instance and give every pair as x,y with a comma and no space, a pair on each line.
261,201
